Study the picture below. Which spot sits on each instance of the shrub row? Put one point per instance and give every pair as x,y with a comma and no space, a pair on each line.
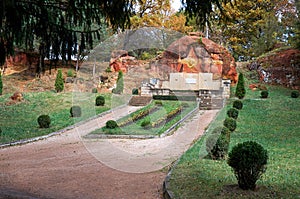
137,116
166,118
174,97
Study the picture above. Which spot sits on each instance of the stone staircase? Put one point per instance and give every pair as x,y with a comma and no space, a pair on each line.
137,100
210,100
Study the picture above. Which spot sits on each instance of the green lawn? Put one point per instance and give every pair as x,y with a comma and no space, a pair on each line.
272,122
162,111
19,121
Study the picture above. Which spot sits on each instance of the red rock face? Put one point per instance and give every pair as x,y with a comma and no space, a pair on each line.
194,54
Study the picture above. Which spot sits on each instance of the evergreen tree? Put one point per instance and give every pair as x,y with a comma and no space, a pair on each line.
240,91
1,84
120,84
59,81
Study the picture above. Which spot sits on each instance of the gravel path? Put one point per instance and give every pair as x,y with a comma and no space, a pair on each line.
67,166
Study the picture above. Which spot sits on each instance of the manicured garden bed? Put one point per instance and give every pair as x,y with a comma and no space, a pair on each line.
156,117
275,124
19,121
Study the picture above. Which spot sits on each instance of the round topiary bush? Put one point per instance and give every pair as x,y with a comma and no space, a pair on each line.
111,124
248,161
217,144
158,103
264,94
100,101
94,90
233,113
146,123
75,111
230,123
135,91
295,94
238,104
44,121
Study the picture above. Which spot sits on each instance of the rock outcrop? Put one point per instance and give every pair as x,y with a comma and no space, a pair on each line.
194,54
279,67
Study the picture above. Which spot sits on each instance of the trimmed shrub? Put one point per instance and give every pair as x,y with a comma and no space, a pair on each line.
146,123
94,90
158,103
75,111
217,144
70,73
1,132
1,85
264,94
100,101
294,94
230,123
233,113
248,161
135,91
240,91
111,124
59,81
44,121
120,84
238,104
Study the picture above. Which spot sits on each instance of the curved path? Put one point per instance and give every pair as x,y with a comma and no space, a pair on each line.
67,166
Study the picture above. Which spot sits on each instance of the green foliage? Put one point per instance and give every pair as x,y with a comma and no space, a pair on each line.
146,123
75,111
108,69
59,81
94,90
238,104
295,94
120,84
217,144
158,103
111,124
1,85
230,123
233,113
240,91
264,94
44,121
70,73
69,24
248,160
100,101
174,97
135,91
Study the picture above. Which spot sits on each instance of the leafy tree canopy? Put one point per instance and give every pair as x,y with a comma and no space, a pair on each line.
58,26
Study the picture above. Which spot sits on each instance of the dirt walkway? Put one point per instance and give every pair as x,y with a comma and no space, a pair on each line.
66,166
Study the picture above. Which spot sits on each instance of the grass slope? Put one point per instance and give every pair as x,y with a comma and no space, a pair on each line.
272,122
19,121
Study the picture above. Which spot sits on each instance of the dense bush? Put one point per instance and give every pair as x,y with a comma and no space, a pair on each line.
230,123
217,144
94,90
240,91
158,103
248,161
59,81
174,97
120,84
108,69
100,101
70,73
233,113
135,91
44,121
238,104
146,123
75,111
1,85
111,124
294,94
264,94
